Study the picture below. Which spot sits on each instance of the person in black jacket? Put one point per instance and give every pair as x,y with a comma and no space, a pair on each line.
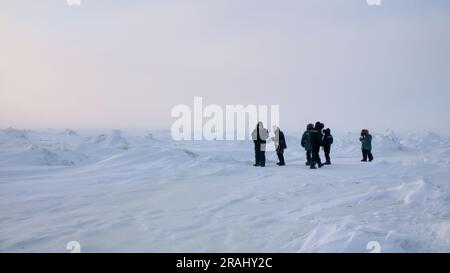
327,141
316,137
306,143
280,145
259,136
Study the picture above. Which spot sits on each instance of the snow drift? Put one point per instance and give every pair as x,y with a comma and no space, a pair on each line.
120,192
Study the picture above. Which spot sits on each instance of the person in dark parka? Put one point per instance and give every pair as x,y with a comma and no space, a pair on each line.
306,143
316,137
366,145
259,136
327,141
280,145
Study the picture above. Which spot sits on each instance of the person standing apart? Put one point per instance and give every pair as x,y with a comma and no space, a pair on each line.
366,145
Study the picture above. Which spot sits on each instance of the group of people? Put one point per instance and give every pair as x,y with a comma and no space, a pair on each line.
315,137
260,136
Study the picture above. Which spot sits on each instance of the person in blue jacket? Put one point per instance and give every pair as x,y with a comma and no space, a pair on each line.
366,145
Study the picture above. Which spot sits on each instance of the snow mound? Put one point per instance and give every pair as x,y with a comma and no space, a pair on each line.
338,237
70,132
408,194
14,135
190,153
445,154
422,141
387,142
149,136
347,144
113,140
52,155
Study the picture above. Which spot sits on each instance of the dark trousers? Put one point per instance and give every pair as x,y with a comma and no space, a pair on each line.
260,156
315,157
327,150
308,156
280,154
367,153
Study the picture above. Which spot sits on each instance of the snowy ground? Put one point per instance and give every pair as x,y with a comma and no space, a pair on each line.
122,193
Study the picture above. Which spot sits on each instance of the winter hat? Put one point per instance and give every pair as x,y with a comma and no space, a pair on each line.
319,125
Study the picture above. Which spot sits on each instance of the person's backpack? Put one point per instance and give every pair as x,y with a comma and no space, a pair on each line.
303,141
329,139
306,141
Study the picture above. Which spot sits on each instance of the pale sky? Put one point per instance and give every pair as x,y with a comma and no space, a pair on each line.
125,64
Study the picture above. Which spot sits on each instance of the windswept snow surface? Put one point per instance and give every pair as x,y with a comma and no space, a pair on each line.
117,192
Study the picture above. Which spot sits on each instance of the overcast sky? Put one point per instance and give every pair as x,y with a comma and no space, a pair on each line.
125,64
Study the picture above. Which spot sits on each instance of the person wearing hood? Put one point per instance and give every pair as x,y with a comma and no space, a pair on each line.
259,136
280,145
366,145
306,143
327,141
316,137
